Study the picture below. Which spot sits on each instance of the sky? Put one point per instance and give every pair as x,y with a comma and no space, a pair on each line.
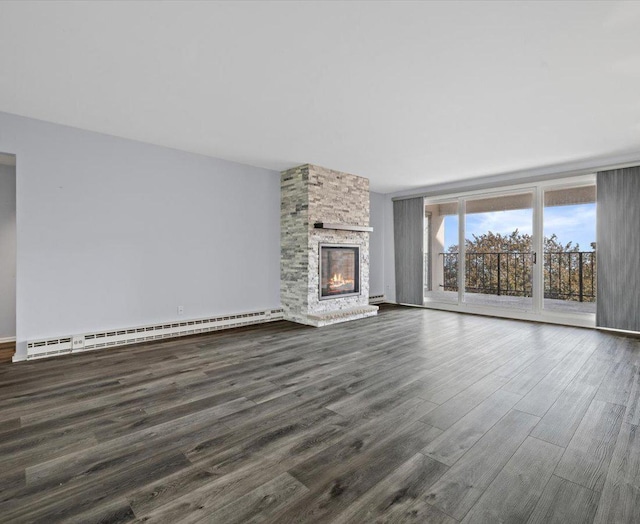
575,223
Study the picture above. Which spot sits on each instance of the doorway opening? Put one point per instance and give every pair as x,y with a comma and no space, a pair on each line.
7,256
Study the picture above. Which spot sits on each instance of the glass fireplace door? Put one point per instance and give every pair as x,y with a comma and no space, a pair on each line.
339,270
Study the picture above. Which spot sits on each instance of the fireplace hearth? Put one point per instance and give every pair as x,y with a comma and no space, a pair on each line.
339,270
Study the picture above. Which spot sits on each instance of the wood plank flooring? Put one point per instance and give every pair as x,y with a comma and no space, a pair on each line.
412,416
7,350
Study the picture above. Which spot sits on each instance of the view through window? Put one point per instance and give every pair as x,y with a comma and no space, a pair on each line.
500,253
570,250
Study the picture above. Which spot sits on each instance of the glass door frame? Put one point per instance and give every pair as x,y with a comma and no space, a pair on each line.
537,311
569,183
462,205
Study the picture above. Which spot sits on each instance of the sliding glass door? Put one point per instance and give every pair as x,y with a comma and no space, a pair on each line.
499,250
569,255
529,252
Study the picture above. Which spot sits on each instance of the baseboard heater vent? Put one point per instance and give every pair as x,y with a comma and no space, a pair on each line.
376,299
89,341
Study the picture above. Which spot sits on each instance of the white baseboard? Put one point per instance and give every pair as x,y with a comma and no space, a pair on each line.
52,347
7,339
376,299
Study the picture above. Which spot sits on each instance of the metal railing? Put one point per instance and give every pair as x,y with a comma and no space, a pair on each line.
567,275
570,275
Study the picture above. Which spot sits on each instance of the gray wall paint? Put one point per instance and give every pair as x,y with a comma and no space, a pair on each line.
618,241
376,244
115,233
408,234
7,251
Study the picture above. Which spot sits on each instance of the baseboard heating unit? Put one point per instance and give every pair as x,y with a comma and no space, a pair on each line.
376,299
89,341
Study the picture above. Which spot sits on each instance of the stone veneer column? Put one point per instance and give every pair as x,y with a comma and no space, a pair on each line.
294,240
311,194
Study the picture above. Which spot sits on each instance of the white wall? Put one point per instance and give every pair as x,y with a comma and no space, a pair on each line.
115,233
376,244
7,252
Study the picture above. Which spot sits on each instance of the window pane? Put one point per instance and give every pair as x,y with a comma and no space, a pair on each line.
441,252
499,251
570,250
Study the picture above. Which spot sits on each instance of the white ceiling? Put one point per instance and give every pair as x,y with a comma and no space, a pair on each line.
406,94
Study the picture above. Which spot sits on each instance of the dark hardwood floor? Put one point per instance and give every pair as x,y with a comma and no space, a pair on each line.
7,350
413,416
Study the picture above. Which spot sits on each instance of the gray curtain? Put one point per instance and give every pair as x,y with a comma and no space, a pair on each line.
408,235
618,249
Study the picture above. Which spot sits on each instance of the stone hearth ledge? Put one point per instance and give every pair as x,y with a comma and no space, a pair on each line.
342,315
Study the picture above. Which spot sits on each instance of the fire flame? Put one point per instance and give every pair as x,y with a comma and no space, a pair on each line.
338,281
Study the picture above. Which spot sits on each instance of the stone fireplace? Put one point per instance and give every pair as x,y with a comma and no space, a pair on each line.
324,239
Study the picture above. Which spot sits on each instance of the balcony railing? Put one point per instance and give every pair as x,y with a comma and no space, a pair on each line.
569,275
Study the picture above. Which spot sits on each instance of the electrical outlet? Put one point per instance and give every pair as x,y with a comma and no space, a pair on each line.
77,342
180,310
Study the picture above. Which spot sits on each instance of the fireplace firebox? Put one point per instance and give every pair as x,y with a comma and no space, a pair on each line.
339,270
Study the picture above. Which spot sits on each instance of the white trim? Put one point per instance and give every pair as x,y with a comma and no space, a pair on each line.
620,331
569,183
462,248
586,320
56,346
538,249
7,339
525,176
576,181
